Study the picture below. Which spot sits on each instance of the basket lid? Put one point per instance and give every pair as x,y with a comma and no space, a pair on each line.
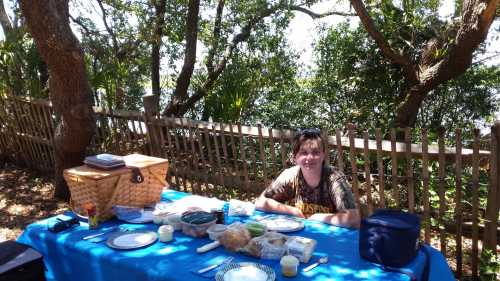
133,160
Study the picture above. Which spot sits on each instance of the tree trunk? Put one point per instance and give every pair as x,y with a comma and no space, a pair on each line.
184,79
44,74
407,111
70,93
160,9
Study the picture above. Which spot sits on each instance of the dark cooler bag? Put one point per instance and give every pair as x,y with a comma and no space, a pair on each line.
391,238
19,262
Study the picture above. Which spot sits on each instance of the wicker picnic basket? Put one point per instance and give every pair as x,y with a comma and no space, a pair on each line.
106,188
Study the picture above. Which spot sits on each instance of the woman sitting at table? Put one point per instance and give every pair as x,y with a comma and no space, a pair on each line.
311,189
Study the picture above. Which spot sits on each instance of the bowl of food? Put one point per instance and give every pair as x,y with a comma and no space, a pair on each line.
196,223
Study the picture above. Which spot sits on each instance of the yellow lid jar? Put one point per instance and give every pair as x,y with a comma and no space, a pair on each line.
289,265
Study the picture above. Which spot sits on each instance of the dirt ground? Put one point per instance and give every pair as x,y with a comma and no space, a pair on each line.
25,197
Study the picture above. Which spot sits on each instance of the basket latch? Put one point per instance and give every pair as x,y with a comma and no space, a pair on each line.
136,175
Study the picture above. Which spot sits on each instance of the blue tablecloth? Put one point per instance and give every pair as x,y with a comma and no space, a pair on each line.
68,257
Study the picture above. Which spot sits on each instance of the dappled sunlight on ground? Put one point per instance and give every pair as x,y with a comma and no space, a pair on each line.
25,197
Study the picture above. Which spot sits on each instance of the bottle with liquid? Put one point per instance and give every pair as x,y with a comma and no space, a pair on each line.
91,210
219,214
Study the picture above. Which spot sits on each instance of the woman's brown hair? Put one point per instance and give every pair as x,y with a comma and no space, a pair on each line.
304,135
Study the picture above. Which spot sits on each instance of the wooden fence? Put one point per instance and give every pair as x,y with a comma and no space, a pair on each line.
447,186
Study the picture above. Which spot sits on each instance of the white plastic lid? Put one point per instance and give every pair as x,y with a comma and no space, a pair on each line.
166,228
289,260
217,228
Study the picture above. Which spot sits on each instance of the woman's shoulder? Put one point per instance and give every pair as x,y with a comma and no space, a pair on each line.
290,172
333,173
287,176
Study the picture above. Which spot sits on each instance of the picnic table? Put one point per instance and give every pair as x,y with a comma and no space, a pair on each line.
68,257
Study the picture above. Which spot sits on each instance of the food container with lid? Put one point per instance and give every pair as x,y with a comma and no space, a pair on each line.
159,216
166,233
289,265
196,223
301,247
174,220
215,231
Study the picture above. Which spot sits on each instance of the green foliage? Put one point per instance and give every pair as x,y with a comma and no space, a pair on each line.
489,265
409,25
264,68
354,83
19,65
350,82
117,62
459,103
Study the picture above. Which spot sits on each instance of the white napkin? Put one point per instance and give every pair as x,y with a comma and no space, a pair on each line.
240,208
191,202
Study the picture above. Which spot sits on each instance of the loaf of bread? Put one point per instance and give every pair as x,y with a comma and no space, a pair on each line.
235,238
270,245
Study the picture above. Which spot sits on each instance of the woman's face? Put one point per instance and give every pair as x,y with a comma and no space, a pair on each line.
310,155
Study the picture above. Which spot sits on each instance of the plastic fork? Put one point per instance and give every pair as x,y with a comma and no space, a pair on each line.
208,268
320,261
103,236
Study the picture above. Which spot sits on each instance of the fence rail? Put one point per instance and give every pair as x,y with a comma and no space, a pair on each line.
447,186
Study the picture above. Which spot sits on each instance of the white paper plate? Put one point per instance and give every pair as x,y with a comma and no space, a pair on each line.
146,217
132,239
282,223
245,271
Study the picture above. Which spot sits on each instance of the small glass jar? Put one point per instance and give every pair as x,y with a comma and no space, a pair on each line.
166,233
219,214
289,266
91,210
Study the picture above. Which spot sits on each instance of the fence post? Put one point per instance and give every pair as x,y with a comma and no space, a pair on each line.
493,203
151,110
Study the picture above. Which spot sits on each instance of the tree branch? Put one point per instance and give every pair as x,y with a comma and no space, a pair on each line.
182,107
216,37
110,31
80,23
160,10
476,20
317,16
208,84
184,78
5,21
401,60
494,55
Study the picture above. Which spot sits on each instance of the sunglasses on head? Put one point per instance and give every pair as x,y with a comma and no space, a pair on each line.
309,132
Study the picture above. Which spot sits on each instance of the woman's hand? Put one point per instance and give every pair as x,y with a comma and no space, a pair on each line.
297,212
318,217
346,218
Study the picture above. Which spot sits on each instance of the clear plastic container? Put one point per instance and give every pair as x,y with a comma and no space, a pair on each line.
175,221
159,217
289,266
196,230
215,231
301,247
166,233
196,223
